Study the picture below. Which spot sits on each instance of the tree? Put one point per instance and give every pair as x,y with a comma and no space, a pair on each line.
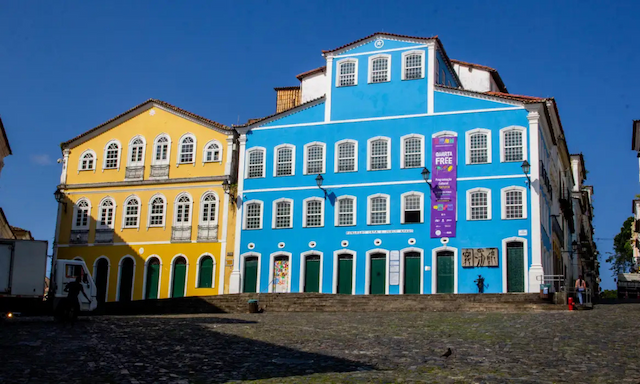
622,258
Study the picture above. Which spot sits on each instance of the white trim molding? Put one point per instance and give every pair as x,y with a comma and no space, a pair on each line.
337,155
444,134
404,63
303,270
293,159
337,210
503,202
402,149
306,157
525,248
243,258
403,205
272,260
244,219
367,269
388,200
338,65
354,257
431,77
370,67
274,213
468,135
248,162
305,214
403,253
369,152
517,128
489,203
434,267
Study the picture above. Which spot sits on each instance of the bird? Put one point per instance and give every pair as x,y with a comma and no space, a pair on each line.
448,353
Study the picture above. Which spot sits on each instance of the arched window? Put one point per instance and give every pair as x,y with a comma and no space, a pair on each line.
513,144
208,214
379,68
131,217
346,211
346,156
156,211
479,204
514,203
478,146
412,149
379,153
412,207
284,161
187,150
112,155
183,210
206,272
136,152
161,150
314,158
81,217
347,73
314,212
87,161
253,215
256,163
212,152
283,213
107,213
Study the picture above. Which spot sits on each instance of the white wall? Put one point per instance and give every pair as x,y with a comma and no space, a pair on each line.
313,86
474,79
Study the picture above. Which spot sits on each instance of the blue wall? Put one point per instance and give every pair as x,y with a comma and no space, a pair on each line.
448,79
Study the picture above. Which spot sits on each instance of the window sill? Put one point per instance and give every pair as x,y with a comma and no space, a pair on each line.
283,175
313,174
212,161
313,226
414,167
488,162
281,227
413,222
417,78
255,177
345,225
379,82
381,169
86,170
355,170
483,219
514,218
251,229
346,86
375,225
123,228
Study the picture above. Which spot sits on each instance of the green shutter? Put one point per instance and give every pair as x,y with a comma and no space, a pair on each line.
179,278
312,274
378,274
515,267
153,275
412,271
345,275
445,277
250,274
205,278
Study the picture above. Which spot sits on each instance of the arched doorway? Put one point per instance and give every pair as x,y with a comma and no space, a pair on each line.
378,274
281,274
412,271
515,267
445,269
250,283
205,272
179,278
153,279
102,279
126,279
312,273
345,274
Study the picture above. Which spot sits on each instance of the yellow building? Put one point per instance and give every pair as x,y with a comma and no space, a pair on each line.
143,203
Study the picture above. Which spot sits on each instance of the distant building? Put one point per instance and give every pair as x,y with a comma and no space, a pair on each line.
5,148
635,208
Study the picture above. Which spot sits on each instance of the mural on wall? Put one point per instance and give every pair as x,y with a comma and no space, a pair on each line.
479,257
443,186
280,275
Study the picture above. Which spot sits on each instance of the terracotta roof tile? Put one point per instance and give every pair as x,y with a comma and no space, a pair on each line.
155,101
286,88
523,98
311,72
381,34
301,106
4,136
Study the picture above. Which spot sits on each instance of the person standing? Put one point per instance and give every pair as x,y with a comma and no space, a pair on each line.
581,285
73,304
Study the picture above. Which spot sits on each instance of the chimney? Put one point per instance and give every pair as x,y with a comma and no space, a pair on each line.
287,98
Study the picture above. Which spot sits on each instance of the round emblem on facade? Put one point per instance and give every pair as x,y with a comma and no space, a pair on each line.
412,241
377,242
312,244
378,43
444,240
141,250
280,245
152,112
438,232
344,243
251,245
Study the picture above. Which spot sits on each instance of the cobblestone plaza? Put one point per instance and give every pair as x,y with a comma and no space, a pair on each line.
559,346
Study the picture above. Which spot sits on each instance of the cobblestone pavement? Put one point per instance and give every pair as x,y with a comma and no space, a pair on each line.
602,345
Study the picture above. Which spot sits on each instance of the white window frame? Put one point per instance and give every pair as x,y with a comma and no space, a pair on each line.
164,211
503,201
467,140
523,130
371,197
274,213
306,157
264,162
402,205
370,69
155,146
336,155
75,215
489,203
337,211
124,212
343,61
404,63
244,218
402,149
369,143
305,213
202,202
205,150
104,161
275,159
95,160
175,210
131,163
195,149
113,214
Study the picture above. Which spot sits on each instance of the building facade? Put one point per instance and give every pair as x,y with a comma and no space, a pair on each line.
143,203
335,193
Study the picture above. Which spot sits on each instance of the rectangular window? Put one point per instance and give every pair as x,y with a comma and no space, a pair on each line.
106,217
314,213
253,216
111,161
478,148
412,209
131,216
379,152
378,210
161,152
187,153
315,159
513,205
412,153
413,67
345,212
82,218
283,214
346,157
513,150
284,165
479,206
256,162
157,214
379,70
347,73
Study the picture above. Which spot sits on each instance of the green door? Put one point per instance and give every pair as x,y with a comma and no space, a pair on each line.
126,280
345,274
102,276
250,274
153,276
205,275
412,270
312,274
445,272
515,267
378,274
179,277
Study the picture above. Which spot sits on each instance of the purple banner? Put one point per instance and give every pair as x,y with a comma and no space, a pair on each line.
443,186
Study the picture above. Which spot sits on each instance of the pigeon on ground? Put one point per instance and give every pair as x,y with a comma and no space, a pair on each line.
448,353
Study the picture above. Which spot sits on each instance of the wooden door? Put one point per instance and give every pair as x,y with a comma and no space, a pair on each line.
412,271
179,277
312,274
250,275
445,277
378,278
153,277
515,267
345,274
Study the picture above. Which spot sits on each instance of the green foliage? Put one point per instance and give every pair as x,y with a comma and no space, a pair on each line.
609,294
622,258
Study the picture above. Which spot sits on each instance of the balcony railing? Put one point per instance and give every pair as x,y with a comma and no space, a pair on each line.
207,233
79,237
159,171
104,236
181,234
134,173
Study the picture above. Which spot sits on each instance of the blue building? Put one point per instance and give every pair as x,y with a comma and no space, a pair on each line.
335,193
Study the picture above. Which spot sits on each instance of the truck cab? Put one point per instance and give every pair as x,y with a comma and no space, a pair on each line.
66,272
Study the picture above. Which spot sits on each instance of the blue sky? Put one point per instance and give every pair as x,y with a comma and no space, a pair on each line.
66,67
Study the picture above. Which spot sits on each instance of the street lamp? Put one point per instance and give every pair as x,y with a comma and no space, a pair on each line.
526,167
319,181
226,186
425,175
60,198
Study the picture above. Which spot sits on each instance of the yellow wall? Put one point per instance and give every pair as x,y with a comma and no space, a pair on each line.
143,242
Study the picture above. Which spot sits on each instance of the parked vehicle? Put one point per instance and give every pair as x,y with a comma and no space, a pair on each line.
23,266
628,285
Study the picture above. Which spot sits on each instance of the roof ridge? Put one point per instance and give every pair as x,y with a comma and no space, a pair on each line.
384,34
280,113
